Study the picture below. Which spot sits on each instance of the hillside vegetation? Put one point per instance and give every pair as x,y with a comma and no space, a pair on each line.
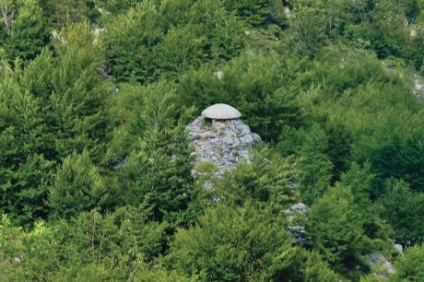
96,167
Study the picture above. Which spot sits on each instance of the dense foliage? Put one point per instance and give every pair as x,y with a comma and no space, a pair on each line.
96,178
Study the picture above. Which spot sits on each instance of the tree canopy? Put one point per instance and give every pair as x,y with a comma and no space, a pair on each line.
97,173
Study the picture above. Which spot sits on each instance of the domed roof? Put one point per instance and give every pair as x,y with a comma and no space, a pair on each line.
221,111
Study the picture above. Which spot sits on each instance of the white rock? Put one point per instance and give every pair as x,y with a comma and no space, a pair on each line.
218,74
399,248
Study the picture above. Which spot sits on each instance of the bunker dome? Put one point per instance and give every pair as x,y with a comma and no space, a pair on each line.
221,111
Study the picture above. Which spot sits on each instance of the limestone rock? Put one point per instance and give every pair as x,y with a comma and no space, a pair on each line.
418,87
399,247
223,142
296,215
382,267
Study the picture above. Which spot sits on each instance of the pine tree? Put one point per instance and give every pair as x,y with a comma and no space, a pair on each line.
29,33
315,168
155,171
336,230
231,244
79,187
267,180
410,266
78,97
24,170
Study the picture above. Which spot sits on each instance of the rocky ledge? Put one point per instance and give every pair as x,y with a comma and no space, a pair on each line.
224,143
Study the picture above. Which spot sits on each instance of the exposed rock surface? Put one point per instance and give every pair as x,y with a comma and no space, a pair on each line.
296,216
380,265
399,247
221,142
418,88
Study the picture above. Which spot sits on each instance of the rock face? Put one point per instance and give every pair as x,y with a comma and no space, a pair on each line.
418,88
221,142
296,215
382,267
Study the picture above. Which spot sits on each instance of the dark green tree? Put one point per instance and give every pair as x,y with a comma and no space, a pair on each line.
336,230
78,97
315,168
63,13
24,170
161,40
254,12
29,32
402,210
154,157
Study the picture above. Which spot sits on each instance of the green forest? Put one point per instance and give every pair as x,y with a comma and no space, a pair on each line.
96,179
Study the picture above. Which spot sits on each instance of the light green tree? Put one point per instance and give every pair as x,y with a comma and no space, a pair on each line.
78,186
231,244
410,266
267,179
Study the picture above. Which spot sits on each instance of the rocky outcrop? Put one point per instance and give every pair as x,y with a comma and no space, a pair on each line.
380,266
296,216
221,142
418,88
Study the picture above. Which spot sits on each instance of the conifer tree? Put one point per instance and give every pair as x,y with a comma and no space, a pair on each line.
402,210
231,244
29,33
267,179
78,97
79,187
24,170
410,266
336,230
315,168
155,172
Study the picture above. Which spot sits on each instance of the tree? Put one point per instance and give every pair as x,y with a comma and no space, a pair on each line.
89,247
410,265
29,33
400,158
360,179
318,270
314,166
154,157
254,12
162,40
49,109
402,209
24,170
267,179
65,12
77,100
307,31
336,230
8,11
231,244
79,187
10,241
